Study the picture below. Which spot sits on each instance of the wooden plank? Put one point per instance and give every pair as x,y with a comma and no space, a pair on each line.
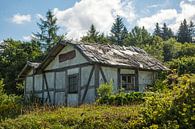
47,87
88,83
103,75
79,87
97,78
66,88
137,79
33,90
119,78
25,89
54,93
42,89
68,67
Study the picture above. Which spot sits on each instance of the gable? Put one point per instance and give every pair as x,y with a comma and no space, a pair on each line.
68,56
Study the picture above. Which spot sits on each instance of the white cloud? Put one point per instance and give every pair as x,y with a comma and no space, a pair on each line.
101,13
27,38
20,19
187,12
160,17
39,16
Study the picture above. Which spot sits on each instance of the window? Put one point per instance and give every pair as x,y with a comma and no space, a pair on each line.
73,83
67,56
128,82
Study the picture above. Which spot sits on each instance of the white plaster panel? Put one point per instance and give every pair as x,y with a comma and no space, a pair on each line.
90,96
127,71
50,80
38,82
29,83
79,59
73,71
145,78
59,98
60,80
72,100
111,74
85,72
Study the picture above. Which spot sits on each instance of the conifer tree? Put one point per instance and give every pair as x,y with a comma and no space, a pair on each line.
117,31
47,37
184,34
157,31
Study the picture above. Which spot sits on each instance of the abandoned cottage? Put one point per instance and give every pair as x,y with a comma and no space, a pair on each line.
71,72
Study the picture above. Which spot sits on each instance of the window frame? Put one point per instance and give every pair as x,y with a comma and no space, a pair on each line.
130,86
73,84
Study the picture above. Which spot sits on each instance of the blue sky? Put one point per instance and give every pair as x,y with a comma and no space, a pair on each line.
18,18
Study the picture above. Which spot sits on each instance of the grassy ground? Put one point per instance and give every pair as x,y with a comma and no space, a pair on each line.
84,117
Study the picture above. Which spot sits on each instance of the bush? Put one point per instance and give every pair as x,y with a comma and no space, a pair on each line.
122,98
105,89
173,108
183,65
10,105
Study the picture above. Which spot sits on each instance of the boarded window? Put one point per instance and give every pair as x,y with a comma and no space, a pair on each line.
128,82
67,56
73,83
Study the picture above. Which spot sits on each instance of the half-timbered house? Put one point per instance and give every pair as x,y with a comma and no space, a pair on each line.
71,72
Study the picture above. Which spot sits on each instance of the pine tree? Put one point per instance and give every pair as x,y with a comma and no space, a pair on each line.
157,31
117,31
92,35
47,37
184,32
165,32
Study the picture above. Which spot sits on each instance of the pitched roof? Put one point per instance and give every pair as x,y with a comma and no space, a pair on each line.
29,65
112,55
115,55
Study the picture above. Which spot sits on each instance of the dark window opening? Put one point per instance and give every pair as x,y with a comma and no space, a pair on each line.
67,56
73,83
128,82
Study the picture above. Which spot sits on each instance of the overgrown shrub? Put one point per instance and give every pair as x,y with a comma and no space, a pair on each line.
107,97
173,108
183,65
10,105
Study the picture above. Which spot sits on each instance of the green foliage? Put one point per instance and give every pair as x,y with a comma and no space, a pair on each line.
139,37
13,58
105,89
94,37
173,108
155,48
183,65
10,105
84,117
48,36
118,31
185,32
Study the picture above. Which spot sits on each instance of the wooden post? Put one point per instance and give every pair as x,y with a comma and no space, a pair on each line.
137,79
97,78
79,87
54,92
103,75
33,88
47,87
66,88
119,78
88,83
